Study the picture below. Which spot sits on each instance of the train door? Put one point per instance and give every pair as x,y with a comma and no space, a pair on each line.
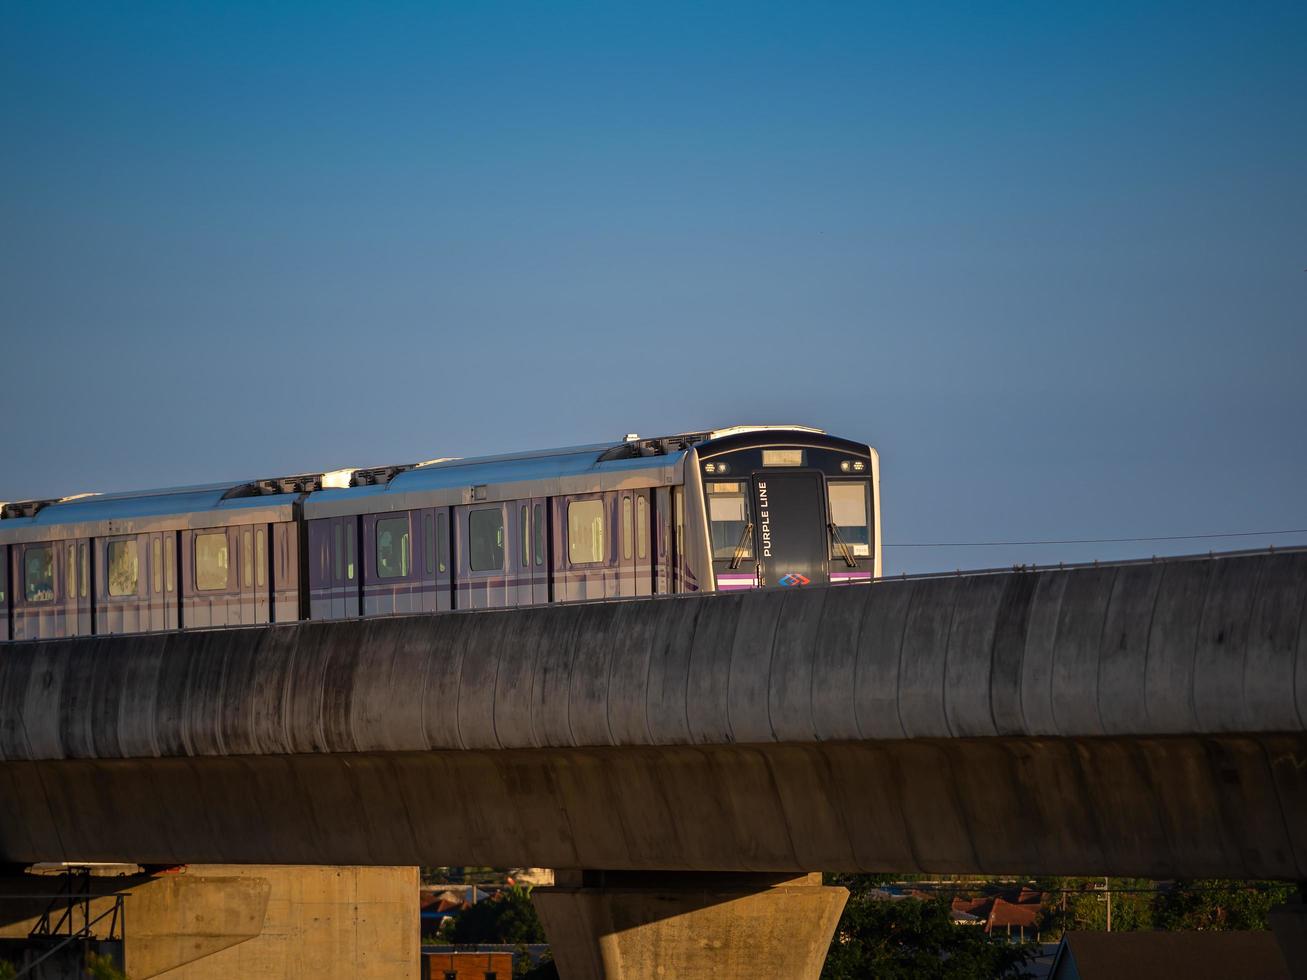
626,544
444,561
77,595
530,569
662,540
392,564
4,592
162,574
635,577
791,535
539,540
333,568
121,592
483,553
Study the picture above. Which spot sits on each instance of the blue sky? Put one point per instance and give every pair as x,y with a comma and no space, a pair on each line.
1049,259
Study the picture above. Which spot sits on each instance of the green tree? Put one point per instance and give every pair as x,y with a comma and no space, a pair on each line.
909,939
1084,905
508,917
1213,904
100,967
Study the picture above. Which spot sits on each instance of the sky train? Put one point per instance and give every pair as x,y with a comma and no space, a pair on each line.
728,509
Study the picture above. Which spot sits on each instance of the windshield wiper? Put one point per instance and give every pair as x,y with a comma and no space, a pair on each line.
746,536
844,548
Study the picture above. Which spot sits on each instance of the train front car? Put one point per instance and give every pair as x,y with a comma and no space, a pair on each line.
787,506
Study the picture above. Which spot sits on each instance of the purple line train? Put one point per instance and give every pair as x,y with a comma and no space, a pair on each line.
729,509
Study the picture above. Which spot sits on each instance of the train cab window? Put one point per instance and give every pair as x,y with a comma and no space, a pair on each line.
848,512
485,532
123,567
212,562
642,527
38,574
585,532
728,518
392,547
539,530
156,565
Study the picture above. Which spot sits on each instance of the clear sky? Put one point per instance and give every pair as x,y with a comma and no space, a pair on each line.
1049,259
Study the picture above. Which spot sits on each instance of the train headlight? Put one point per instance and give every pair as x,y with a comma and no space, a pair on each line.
859,465
710,467
845,466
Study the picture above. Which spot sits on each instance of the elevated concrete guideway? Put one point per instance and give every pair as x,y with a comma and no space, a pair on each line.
1143,718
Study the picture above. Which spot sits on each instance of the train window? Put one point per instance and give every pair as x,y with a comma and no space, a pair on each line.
485,531
156,564
678,504
540,533
642,526
526,536
169,578
429,543
349,551
442,541
84,580
340,552
70,569
848,512
212,562
247,558
728,517
4,574
38,574
123,567
585,531
392,547
627,530
260,558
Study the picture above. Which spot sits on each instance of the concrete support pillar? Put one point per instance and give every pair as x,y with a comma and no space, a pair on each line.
605,925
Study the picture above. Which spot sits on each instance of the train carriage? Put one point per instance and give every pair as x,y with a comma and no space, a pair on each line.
729,509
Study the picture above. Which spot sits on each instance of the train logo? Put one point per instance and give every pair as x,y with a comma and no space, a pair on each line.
794,578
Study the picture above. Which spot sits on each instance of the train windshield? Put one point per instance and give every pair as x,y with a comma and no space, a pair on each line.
728,516
849,507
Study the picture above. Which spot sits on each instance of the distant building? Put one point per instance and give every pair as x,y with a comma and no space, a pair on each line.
1013,915
467,966
1154,955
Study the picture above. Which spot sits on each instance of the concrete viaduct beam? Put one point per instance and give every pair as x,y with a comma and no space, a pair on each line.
1142,718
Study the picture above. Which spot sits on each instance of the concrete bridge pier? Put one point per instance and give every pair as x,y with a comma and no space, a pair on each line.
625,925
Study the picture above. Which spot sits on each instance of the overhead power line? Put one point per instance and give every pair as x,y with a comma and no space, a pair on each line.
1162,537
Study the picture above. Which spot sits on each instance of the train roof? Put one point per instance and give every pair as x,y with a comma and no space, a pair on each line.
631,463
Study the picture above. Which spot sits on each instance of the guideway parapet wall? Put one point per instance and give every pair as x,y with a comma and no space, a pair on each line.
1140,718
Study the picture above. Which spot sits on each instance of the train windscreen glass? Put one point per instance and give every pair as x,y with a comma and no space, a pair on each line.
848,512
728,518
